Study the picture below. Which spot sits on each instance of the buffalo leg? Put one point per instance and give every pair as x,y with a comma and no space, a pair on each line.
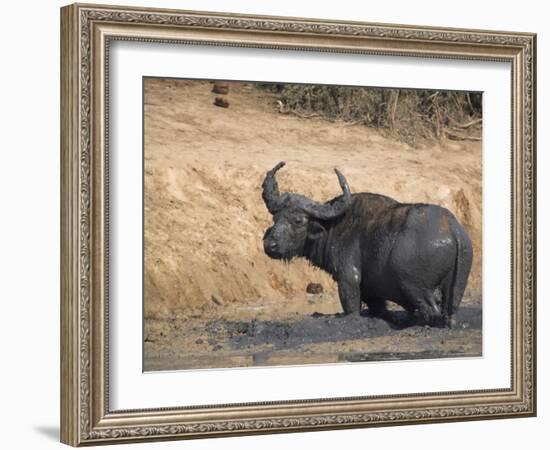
350,297
450,321
424,303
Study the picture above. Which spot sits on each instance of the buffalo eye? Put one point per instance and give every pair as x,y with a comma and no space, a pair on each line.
299,220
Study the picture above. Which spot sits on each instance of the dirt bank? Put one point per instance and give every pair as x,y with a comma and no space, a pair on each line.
204,217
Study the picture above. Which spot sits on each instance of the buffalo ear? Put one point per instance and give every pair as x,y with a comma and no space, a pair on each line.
316,230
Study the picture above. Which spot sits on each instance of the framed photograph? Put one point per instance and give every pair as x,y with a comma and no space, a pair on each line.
274,224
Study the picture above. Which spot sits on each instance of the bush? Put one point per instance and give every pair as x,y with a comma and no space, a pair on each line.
409,114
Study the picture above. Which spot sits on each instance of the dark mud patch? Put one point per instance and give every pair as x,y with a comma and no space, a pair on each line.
319,328
307,339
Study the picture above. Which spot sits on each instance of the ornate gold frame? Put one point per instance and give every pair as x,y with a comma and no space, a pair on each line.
86,31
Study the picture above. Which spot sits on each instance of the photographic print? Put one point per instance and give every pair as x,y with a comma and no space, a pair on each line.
254,201
291,224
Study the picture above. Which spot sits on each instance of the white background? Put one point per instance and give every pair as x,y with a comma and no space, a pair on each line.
29,232
131,389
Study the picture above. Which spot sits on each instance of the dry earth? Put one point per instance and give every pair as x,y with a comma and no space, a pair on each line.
211,294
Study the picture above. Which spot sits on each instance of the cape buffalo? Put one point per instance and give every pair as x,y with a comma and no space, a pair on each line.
376,249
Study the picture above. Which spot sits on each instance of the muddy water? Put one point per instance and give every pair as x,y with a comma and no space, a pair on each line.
312,339
320,328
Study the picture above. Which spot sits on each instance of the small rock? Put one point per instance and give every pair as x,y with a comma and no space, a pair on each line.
212,341
314,288
216,300
199,341
222,103
217,347
222,89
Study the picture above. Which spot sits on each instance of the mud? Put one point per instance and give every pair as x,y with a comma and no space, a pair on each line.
327,328
316,338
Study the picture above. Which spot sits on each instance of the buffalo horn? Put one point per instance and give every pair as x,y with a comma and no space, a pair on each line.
270,194
335,207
